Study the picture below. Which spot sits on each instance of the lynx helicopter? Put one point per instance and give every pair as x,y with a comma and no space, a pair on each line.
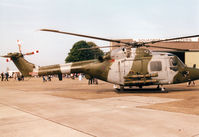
126,66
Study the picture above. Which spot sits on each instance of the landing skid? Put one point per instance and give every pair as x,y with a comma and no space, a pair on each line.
163,90
159,89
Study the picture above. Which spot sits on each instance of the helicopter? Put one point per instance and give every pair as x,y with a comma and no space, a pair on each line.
129,65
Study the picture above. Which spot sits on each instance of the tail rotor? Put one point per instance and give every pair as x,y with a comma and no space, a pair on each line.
29,53
25,67
9,56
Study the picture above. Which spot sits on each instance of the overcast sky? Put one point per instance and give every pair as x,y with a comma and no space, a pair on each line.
137,19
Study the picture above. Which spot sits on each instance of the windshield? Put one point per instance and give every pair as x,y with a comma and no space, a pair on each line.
175,61
180,62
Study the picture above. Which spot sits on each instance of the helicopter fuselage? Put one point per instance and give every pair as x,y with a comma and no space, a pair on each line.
134,67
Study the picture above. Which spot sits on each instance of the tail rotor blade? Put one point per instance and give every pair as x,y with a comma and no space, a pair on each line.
6,56
29,53
19,45
8,59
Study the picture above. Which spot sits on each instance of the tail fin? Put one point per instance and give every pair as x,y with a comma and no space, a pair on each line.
25,67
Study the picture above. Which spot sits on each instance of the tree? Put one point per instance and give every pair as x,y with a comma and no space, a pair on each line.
97,52
79,55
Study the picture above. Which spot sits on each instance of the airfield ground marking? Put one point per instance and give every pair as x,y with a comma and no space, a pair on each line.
46,119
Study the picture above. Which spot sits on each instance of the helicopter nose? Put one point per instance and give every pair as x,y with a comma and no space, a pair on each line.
194,73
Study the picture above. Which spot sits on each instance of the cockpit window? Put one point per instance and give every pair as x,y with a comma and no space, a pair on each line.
173,61
180,62
156,66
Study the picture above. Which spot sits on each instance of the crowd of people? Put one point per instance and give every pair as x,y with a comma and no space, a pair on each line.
73,76
14,75
92,81
46,79
4,76
18,76
80,76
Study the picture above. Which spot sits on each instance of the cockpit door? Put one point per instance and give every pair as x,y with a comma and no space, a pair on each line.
124,67
159,66
173,63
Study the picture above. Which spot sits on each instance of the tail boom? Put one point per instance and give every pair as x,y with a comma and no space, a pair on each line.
54,69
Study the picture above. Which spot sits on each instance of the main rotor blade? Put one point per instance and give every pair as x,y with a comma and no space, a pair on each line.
156,41
99,47
86,36
6,56
167,48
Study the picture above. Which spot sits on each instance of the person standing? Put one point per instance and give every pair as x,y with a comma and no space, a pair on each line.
2,76
44,79
7,75
191,81
49,78
95,81
80,76
90,81
15,76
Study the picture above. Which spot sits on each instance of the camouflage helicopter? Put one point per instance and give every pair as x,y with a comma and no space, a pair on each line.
126,66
